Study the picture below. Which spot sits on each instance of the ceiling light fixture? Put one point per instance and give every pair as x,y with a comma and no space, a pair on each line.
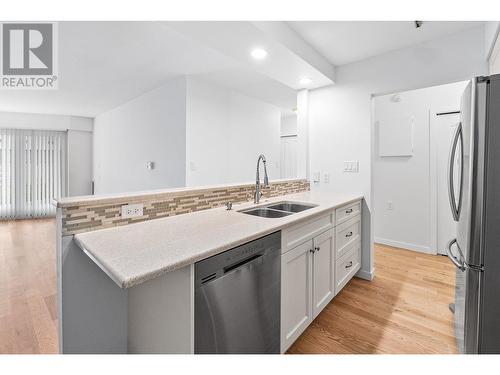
305,81
259,53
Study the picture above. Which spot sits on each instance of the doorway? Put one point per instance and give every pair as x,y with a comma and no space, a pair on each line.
412,138
289,146
288,162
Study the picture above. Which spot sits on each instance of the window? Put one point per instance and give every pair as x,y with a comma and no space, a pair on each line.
32,172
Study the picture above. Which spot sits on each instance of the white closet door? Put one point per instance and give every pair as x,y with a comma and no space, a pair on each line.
289,157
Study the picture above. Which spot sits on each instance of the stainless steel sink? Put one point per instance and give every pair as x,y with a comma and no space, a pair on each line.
280,209
291,206
266,212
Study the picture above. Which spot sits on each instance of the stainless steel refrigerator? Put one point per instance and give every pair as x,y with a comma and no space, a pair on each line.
474,189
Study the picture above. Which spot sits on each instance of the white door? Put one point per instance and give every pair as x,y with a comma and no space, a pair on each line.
323,271
288,157
296,291
444,129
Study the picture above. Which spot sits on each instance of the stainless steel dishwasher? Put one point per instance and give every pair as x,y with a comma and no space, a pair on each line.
237,299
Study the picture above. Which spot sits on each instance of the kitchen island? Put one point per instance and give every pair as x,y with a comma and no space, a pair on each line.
130,289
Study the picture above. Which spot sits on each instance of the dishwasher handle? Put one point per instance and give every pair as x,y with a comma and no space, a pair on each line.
242,263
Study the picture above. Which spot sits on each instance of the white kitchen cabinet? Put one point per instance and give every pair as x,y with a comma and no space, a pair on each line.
296,293
306,230
319,257
323,271
308,284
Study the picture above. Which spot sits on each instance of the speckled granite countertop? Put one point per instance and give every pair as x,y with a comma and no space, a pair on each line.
136,253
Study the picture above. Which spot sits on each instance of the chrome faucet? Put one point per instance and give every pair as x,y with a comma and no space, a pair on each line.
258,193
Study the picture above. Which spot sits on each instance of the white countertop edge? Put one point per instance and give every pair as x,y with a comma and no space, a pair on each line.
132,280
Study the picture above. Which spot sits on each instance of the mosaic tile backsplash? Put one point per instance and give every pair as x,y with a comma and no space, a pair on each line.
90,216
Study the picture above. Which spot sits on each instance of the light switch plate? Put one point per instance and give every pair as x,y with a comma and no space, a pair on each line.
326,178
132,210
389,205
351,166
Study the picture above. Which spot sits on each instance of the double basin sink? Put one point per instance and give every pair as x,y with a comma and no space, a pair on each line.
280,209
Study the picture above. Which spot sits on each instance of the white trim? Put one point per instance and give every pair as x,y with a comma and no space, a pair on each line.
405,245
365,275
433,178
59,254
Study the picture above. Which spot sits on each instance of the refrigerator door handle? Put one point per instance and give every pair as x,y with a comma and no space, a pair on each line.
455,209
453,258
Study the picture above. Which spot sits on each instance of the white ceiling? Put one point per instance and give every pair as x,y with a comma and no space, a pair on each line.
343,42
236,39
104,64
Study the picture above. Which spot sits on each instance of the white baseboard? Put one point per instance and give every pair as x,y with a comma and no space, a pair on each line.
405,245
362,274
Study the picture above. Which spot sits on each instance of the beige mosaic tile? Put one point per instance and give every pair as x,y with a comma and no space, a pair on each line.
91,216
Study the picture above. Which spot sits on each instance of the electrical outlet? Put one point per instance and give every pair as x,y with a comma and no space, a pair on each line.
132,210
316,176
326,178
389,205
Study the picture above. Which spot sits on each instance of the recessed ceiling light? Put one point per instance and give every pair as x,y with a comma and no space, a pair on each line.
259,53
305,81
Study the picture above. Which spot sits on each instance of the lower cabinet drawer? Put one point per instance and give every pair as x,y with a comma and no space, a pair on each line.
304,231
347,266
348,211
346,235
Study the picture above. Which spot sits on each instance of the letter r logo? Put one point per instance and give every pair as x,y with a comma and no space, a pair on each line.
27,49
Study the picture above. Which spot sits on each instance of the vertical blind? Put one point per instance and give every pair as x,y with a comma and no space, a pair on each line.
32,172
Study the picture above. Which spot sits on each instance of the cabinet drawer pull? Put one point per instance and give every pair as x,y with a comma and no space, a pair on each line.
348,234
349,265
317,248
313,250
348,211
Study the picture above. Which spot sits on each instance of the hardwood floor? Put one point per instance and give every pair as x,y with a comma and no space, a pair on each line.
404,310
28,310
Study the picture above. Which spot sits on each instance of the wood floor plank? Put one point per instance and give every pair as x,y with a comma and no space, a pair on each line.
28,311
403,310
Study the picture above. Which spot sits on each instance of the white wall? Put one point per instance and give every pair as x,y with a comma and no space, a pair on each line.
79,162
38,121
225,133
288,125
150,127
494,57
340,115
491,29
79,143
406,181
